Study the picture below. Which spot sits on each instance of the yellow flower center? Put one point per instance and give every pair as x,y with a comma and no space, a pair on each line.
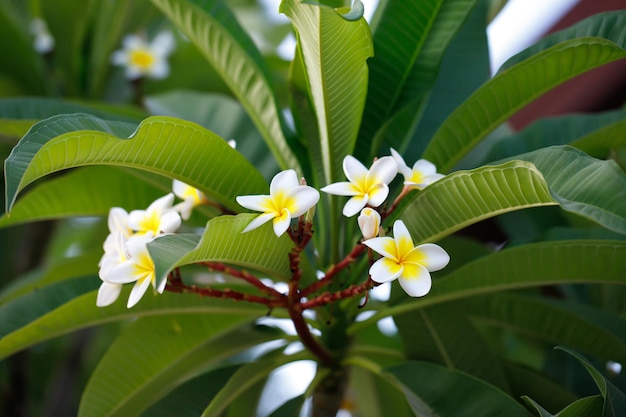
416,177
151,222
278,203
141,58
144,268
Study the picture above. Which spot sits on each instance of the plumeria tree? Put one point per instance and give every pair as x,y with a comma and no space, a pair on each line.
324,198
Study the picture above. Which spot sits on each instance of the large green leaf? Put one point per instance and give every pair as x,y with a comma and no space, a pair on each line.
588,130
466,197
211,26
521,83
589,187
429,387
410,39
588,406
159,353
245,378
335,50
82,193
375,396
222,115
222,241
524,266
579,326
162,145
446,336
82,312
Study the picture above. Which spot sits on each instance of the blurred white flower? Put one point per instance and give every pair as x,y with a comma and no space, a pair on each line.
143,59
43,42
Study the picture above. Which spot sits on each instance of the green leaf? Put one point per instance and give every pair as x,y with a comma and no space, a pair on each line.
82,193
222,241
410,39
572,324
581,129
221,114
290,409
162,145
81,312
447,337
335,51
29,307
158,354
614,399
375,396
246,377
211,26
512,89
466,197
583,185
191,398
533,265
588,406
428,388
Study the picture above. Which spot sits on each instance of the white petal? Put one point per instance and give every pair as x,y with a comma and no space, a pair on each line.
118,220
353,168
354,205
340,188
254,202
170,222
284,181
162,285
432,178
119,57
133,72
385,270
133,41
162,203
163,43
381,245
122,273
281,224
185,208
305,197
436,257
402,166
136,245
179,188
417,285
137,292
378,195
384,170
159,70
425,167
400,231
258,221
108,293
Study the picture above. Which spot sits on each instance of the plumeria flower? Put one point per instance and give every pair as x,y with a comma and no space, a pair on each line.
369,223
160,217
137,268
409,264
288,199
143,59
421,175
366,187
114,254
192,197
43,42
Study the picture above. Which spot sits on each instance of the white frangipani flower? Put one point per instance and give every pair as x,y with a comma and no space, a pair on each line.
43,42
288,199
143,59
138,268
421,175
369,222
409,264
114,254
160,217
366,187
192,197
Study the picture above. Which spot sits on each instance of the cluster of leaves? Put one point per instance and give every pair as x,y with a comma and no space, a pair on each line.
480,341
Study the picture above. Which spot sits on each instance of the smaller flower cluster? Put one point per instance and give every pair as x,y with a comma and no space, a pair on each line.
126,258
367,189
145,59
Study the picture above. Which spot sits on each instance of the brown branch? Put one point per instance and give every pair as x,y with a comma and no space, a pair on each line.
244,275
334,270
330,297
307,339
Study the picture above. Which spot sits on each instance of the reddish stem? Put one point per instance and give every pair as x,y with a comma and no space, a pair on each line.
329,297
244,275
334,270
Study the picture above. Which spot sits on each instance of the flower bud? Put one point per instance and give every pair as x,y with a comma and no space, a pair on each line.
369,222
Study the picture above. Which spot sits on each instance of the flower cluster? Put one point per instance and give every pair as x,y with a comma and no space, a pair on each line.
367,189
126,258
43,41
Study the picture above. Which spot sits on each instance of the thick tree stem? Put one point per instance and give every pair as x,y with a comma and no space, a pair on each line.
329,393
